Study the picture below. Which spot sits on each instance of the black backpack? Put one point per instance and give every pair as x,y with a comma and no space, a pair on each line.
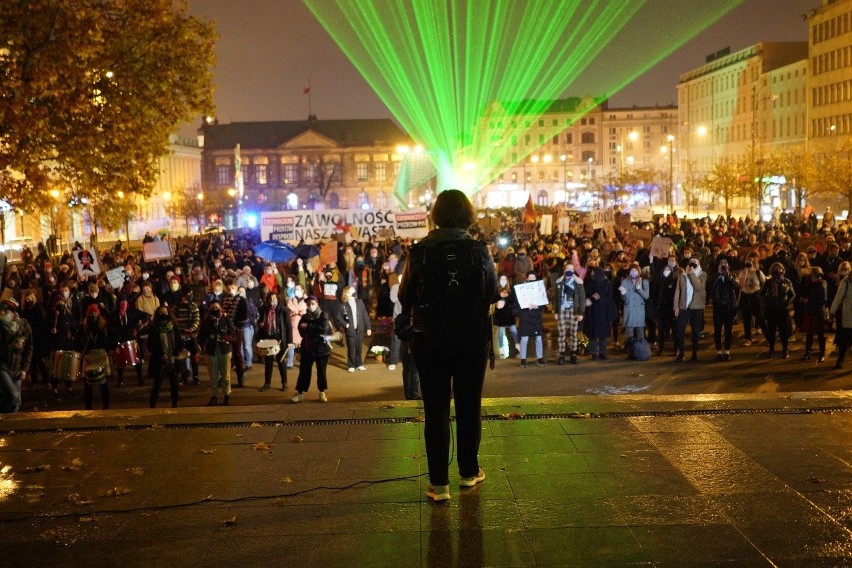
451,308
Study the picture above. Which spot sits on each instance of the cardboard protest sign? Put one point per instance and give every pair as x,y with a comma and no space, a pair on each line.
639,235
115,277
546,227
602,218
531,294
660,247
328,253
563,225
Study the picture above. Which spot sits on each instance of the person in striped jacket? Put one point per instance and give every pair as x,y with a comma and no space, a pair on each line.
188,320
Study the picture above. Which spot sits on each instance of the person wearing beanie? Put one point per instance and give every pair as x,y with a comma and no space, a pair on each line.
635,291
16,351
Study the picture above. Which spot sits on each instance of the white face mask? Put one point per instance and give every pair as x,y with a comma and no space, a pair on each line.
667,272
66,294
8,316
269,271
299,293
250,284
291,284
634,273
313,307
503,281
144,276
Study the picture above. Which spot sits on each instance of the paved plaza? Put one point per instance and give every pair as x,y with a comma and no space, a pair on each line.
641,480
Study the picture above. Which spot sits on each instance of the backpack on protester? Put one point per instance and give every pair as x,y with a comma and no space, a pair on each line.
638,349
451,308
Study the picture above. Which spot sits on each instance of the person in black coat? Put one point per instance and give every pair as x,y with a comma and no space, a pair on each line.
163,345
352,317
778,294
36,316
274,323
314,327
814,301
601,310
503,317
724,292
666,284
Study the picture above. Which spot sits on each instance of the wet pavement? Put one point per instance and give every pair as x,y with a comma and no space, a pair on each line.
637,480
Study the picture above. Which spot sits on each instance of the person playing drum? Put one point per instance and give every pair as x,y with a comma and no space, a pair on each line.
125,325
274,325
62,328
94,343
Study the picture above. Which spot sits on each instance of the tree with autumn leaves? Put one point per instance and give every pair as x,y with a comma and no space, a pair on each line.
90,91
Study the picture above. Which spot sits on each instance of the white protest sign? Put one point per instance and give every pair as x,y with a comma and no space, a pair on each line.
546,227
531,294
563,225
115,277
157,250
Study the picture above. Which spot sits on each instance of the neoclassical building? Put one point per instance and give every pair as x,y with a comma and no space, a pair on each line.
302,164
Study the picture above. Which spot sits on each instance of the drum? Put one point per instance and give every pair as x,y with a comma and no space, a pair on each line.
182,355
96,366
267,348
127,354
66,365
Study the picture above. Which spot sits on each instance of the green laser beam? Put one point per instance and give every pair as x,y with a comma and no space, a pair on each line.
468,79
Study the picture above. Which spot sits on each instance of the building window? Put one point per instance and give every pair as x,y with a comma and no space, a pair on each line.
569,138
541,175
396,168
381,171
291,173
362,171
514,177
363,200
381,200
311,172
542,199
223,174
587,138
588,156
261,169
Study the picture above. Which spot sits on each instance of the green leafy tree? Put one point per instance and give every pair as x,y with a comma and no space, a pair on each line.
727,180
90,91
835,172
186,204
798,166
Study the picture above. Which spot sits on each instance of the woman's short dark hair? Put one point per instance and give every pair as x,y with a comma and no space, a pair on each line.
453,210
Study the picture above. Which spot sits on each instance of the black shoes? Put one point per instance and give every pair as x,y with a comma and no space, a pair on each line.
541,363
213,401
561,360
523,362
226,401
679,357
573,359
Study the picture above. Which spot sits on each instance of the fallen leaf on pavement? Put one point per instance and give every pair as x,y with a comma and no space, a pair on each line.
298,439
136,470
286,480
203,451
386,407
512,415
255,425
87,519
262,447
116,492
229,522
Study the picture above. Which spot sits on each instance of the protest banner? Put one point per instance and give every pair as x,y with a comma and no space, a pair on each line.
316,226
530,294
328,253
157,250
623,220
639,235
563,225
660,247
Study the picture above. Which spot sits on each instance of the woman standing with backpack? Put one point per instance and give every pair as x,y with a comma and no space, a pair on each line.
445,267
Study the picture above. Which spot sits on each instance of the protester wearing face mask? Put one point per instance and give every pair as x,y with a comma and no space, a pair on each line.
217,293
16,351
600,309
689,302
751,281
314,327
95,342
188,318
504,318
814,302
62,327
297,308
275,324
723,291
235,308
163,345
778,295
569,305
635,291
124,327
36,316
289,288
217,338
523,266
531,325
353,319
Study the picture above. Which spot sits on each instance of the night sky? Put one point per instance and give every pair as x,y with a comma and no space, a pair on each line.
269,49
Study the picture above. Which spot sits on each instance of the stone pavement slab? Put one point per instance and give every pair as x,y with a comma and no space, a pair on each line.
638,480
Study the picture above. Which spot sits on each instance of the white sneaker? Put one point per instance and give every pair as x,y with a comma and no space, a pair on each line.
438,493
351,369
297,398
322,397
362,368
391,367
471,481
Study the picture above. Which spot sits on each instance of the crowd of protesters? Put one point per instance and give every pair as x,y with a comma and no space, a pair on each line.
214,301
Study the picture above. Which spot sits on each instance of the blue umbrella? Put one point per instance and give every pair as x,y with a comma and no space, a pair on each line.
307,251
275,251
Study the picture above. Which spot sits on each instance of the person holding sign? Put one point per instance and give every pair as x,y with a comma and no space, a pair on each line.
531,324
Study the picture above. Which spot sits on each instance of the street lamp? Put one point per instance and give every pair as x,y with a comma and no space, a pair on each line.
591,161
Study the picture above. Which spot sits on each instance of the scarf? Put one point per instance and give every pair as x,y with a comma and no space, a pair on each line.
270,321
